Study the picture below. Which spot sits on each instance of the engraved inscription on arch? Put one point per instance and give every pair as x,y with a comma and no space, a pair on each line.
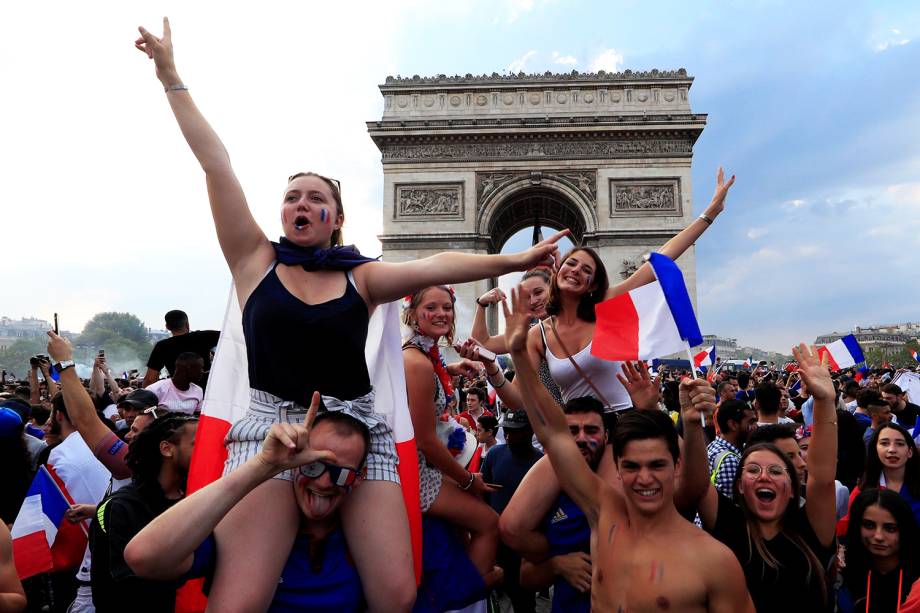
645,197
424,201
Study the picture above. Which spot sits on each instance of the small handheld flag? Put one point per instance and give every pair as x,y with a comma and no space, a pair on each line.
43,539
705,358
842,353
651,321
915,355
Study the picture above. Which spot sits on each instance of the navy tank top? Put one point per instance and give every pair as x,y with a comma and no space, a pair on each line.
295,348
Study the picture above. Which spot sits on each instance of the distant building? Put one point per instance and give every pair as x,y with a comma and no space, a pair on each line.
157,335
12,330
870,337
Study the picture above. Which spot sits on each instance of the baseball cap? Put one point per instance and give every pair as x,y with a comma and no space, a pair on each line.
20,407
515,419
140,400
10,422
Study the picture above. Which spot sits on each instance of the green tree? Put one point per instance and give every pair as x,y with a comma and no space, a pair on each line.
105,328
15,358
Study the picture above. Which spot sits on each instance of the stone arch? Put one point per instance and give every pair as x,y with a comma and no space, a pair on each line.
515,205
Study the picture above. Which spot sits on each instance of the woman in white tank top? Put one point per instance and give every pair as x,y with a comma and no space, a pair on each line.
579,284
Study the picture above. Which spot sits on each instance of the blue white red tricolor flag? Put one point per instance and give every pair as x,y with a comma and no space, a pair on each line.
705,358
915,355
748,363
842,353
43,539
648,322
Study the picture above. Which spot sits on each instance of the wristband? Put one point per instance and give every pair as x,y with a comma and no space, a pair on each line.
467,487
179,87
706,218
485,306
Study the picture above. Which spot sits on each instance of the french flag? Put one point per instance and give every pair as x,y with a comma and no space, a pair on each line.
842,353
796,386
915,355
651,321
43,539
227,398
705,358
748,363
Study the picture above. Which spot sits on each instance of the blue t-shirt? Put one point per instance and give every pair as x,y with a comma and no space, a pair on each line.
449,579
567,530
332,587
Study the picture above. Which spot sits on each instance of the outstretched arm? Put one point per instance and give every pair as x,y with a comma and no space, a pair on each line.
245,247
820,490
165,548
697,399
547,418
675,247
387,281
80,407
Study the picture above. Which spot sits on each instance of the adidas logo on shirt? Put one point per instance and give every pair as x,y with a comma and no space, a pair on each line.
559,516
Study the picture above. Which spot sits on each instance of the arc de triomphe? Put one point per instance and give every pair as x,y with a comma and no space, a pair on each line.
469,161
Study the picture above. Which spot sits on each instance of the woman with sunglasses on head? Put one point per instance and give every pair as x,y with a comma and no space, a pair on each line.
306,303
881,553
448,490
783,548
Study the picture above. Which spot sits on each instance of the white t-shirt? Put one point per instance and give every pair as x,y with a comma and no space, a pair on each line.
175,399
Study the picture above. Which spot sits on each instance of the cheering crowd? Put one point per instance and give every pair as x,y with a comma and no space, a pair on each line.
542,469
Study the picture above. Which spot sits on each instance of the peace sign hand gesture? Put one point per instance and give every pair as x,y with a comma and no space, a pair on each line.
288,445
160,50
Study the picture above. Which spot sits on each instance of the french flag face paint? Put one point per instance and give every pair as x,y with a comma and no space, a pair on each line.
323,215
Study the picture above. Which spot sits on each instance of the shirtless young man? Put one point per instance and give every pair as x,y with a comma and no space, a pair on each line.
646,556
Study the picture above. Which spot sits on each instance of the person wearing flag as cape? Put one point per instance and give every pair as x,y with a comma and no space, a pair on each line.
306,303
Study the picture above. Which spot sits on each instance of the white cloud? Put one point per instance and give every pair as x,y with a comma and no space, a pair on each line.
609,60
110,192
892,38
568,60
755,233
797,203
520,64
518,7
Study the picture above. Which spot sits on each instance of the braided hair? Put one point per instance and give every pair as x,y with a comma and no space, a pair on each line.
144,457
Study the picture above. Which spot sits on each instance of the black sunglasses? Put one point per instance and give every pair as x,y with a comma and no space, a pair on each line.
341,476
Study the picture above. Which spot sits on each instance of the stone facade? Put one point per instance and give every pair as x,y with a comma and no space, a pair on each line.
478,158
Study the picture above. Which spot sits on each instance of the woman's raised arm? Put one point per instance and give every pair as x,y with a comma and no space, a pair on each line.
675,247
241,239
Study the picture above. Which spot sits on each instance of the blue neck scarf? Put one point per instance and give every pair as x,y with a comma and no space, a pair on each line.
317,258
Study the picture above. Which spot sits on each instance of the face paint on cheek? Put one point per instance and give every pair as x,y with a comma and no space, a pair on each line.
593,445
323,215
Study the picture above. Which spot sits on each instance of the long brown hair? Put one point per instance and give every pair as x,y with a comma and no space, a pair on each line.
586,305
789,519
336,238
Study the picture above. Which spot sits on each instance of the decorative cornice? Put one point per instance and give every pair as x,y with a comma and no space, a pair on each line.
546,77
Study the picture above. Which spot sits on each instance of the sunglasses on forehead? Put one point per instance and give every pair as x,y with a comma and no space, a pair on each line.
336,182
341,476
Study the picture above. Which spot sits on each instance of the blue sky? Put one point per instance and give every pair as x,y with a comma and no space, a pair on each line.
813,105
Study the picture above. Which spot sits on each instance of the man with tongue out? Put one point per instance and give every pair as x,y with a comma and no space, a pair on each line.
329,452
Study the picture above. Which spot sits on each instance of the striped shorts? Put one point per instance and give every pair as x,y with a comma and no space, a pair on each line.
245,437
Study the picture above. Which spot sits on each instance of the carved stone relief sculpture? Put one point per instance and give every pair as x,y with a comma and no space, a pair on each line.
426,201
645,197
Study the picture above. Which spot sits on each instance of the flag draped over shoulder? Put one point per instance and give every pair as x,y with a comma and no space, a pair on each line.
43,539
227,398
